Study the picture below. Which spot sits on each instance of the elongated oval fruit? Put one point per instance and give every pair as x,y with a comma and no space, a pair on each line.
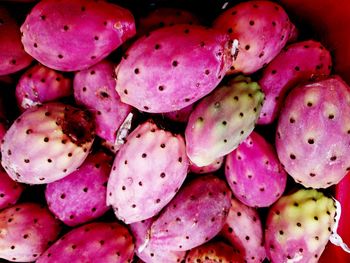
71,35
99,241
26,231
157,74
147,172
311,113
196,214
46,143
222,120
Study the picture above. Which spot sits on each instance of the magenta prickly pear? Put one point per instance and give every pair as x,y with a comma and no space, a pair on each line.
94,88
243,229
298,227
196,214
213,167
222,120
213,252
262,29
304,146
12,55
57,138
157,75
10,191
165,16
40,84
102,242
147,172
295,64
254,173
144,251
97,28
26,231
81,196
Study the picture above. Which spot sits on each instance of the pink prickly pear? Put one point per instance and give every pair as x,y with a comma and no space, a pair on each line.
196,214
181,115
94,88
298,227
12,55
310,114
262,29
213,167
81,196
222,120
144,251
40,84
165,16
97,28
243,229
10,191
213,252
147,172
57,140
254,173
26,231
157,73
94,242
3,120
295,64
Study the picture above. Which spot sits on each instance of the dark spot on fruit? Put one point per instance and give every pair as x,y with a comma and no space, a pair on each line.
71,216
96,38
186,31
46,139
247,47
26,160
251,22
60,56
310,141
312,174
65,28
309,104
241,114
146,108
158,201
104,94
333,158
162,175
63,196
247,238
144,155
230,30
297,68
69,154
35,45
85,189
261,54
331,116
298,224
273,23
175,63
224,123
292,156
207,72
157,46
179,159
161,88
239,213
25,236
93,209
133,206
74,246
13,247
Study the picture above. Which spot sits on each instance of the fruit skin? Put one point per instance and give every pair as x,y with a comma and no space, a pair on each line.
157,75
243,229
297,63
222,120
81,196
310,114
262,29
10,191
213,252
213,167
13,58
298,226
140,231
27,229
254,173
72,35
147,172
181,115
40,84
57,137
105,242
94,88
195,215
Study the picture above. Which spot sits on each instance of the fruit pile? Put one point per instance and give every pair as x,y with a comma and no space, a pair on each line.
158,134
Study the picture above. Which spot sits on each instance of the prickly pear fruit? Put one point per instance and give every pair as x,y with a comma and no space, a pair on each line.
298,226
12,55
3,120
147,172
262,29
144,251
94,88
243,229
97,28
10,191
310,114
57,138
81,196
102,242
165,16
222,120
295,64
196,214
254,173
213,252
213,167
40,84
181,115
157,73
26,231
